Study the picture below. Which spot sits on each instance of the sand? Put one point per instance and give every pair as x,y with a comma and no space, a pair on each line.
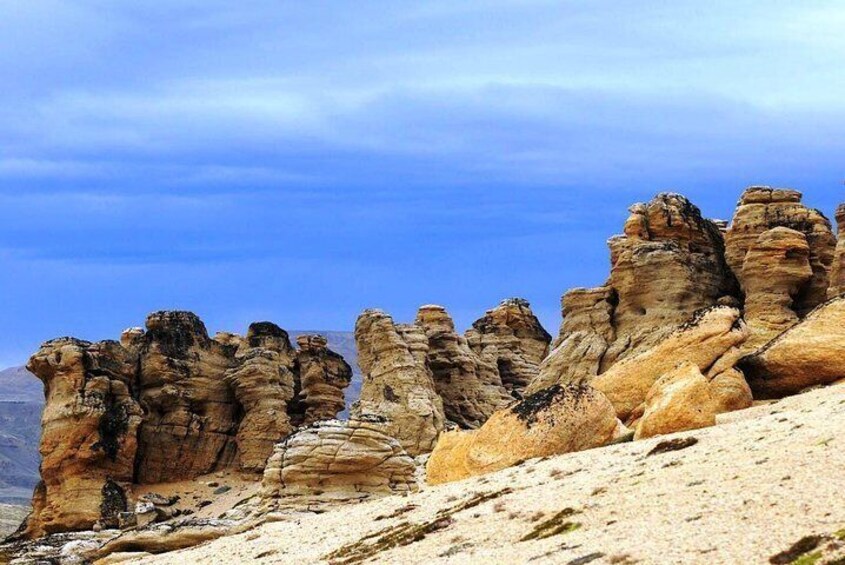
751,487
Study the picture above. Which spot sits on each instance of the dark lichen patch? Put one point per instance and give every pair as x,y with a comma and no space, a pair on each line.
112,503
799,549
586,559
529,410
111,428
672,445
554,526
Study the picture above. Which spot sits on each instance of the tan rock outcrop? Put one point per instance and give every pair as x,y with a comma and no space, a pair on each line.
559,419
339,460
398,385
680,400
763,208
190,412
323,377
585,335
776,269
470,388
89,434
668,264
703,340
837,273
809,354
511,338
263,385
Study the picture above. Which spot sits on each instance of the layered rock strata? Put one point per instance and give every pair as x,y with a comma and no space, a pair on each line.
323,377
339,460
837,273
559,419
398,384
471,388
808,354
763,208
511,338
669,263
703,341
89,435
167,404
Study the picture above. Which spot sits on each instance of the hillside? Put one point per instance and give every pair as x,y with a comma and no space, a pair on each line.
748,490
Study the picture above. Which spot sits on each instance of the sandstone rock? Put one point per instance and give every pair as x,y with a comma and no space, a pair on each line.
163,538
668,265
263,385
775,270
837,273
559,419
471,389
511,338
763,208
702,341
323,376
191,414
585,335
89,436
680,400
730,391
339,460
809,354
398,384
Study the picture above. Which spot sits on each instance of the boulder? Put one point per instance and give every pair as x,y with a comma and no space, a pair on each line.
89,435
471,389
511,338
339,460
669,264
837,273
559,419
762,208
775,271
398,385
703,340
190,412
323,377
809,354
679,401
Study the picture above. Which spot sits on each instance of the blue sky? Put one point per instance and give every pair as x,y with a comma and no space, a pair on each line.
301,161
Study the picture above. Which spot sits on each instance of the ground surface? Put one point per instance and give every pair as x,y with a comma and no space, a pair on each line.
747,490
11,517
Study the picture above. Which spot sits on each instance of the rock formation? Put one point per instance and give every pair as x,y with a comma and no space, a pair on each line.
837,273
559,419
763,208
190,413
398,385
339,460
471,389
167,404
668,264
808,354
511,338
703,341
680,400
89,435
775,271
323,376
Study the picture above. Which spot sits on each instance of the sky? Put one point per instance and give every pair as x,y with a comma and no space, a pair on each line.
301,161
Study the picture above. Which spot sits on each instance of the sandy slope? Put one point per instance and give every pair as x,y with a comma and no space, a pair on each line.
749,489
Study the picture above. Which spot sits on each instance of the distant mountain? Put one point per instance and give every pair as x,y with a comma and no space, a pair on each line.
22,399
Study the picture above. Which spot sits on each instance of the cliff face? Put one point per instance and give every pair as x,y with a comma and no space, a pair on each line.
669,263
167,404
